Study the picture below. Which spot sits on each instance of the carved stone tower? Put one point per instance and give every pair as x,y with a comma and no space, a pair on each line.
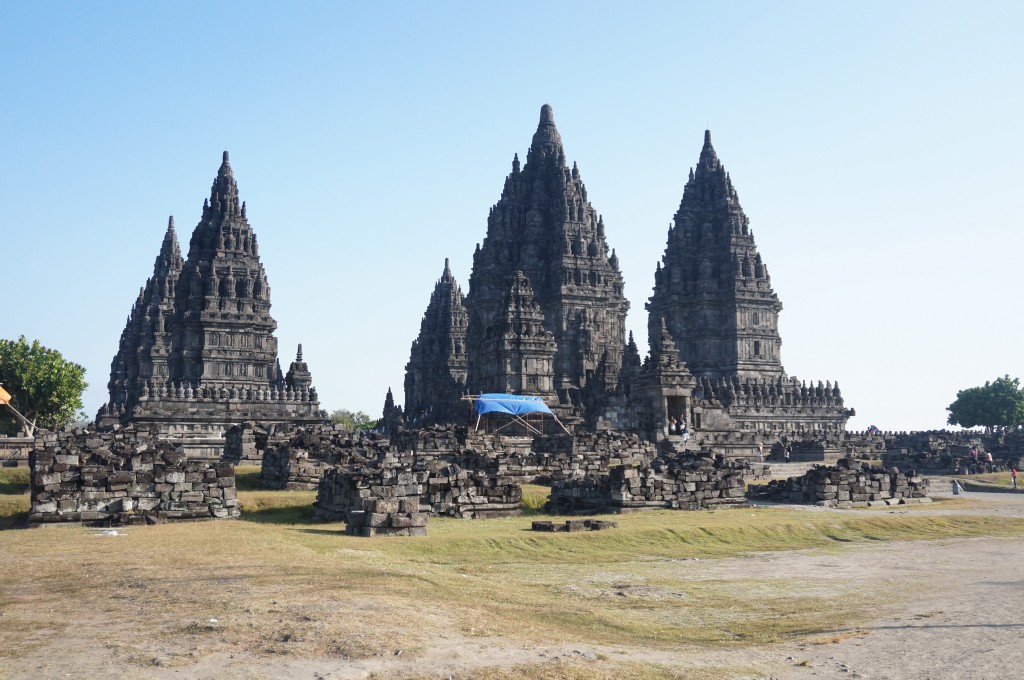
144,350
517,353
545,227
225,333
711,287
198,353
435,377
713,295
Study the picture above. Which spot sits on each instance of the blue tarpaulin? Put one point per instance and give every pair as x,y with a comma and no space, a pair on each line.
514,404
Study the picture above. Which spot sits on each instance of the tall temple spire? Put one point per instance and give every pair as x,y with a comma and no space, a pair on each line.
544,226
202,329
435,377
712,270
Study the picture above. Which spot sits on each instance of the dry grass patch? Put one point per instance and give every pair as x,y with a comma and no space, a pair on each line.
836,638
571,669
14,497
534,497
279,586
14,480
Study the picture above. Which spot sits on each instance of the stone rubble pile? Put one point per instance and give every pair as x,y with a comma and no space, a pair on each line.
467,487
848,484
124,477
678,482
387,517
344,488
575,525
474,487
297,460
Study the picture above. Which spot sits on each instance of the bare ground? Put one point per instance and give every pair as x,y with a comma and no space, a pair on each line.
954,609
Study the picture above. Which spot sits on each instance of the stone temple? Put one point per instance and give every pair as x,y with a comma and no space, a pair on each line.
545,241
713,293
198,353
546,315
435,377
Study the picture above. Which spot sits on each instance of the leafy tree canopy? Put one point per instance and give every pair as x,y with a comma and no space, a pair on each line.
46,388
995,404
353,420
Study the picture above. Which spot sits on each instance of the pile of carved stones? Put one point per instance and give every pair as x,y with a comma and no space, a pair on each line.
678,482
474,486
848,484
124,477
574,525
298,460
589,454
468,486
387,517
345,488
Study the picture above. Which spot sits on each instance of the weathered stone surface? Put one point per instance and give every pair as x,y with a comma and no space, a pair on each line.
124,477
680,482
848,481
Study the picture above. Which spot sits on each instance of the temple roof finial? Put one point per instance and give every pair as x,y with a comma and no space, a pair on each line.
226,156
547,139
707,153
298,354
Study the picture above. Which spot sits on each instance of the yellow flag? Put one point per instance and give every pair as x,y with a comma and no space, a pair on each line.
5,398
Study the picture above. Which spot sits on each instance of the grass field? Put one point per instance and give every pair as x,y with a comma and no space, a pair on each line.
277,584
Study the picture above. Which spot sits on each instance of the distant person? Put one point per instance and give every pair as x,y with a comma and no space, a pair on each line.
786,452
685,431
988,456
760,452
1013,475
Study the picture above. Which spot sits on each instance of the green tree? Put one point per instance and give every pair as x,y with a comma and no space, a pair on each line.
44,386
995,404
353,420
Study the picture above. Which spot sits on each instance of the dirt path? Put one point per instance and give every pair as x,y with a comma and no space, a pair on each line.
960,615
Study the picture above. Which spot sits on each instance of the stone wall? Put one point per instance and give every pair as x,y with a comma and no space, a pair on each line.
124,477
676,482
469,486
848,484
344,488
475,486
297,459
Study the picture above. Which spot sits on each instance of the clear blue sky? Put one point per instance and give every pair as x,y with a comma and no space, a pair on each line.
876,147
